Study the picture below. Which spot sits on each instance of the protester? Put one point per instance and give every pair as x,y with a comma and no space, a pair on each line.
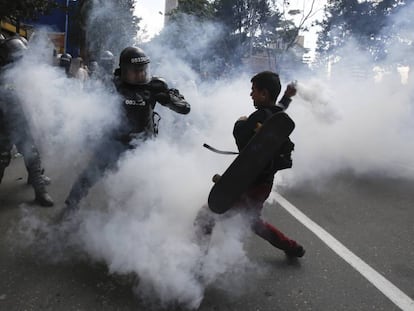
264,92
65,61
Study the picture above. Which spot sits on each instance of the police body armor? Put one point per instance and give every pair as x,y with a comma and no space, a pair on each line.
138,116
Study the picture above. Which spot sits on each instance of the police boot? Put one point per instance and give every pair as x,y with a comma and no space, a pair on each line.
43,198
41,195
35,171
46,180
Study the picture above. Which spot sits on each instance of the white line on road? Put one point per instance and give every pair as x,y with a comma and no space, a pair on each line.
393,293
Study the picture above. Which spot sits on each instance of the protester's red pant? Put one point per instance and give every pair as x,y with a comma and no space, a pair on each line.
252,201
251,204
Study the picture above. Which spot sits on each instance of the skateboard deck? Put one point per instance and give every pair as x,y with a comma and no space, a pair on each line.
246,167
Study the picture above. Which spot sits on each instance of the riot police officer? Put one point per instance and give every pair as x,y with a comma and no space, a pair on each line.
107,62
103,70
139,92
65,62
14,128
93,68
142,91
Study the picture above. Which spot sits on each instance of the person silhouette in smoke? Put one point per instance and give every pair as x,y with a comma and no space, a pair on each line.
65,61
14,127
139,93
264,92
107,63
93,69
103,69
77,70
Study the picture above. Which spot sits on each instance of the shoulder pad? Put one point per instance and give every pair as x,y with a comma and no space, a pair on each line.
117,81
158,84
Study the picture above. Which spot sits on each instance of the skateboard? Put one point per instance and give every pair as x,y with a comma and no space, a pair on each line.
250,162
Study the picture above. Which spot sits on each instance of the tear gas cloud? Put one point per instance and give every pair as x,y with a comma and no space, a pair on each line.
139,218
143,223
67,115
100,24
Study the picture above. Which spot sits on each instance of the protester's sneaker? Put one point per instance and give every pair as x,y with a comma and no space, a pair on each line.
44,199
295,252
67,212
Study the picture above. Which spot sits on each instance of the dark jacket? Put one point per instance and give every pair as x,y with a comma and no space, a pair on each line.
244,130
138,102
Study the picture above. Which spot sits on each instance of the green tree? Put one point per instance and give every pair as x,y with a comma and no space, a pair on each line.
201,9
243,20
364,22
242,28
25,9
19,10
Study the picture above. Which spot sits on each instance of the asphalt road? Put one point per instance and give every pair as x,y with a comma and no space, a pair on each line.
372,216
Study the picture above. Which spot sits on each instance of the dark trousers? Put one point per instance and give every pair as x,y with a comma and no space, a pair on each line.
25,145
104,158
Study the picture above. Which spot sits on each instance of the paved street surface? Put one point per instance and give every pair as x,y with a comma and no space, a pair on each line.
371,216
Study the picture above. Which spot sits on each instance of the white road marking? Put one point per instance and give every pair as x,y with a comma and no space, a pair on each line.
400,299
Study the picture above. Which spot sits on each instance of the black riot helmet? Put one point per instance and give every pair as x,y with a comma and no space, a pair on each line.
107,62
134,65
12,49
65,60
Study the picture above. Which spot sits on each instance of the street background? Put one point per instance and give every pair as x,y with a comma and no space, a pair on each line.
372,216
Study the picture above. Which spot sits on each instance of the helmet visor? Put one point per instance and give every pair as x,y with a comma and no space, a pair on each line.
65,61
16,48
136,74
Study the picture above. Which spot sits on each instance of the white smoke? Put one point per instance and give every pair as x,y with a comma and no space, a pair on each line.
353,123
139,219
67,115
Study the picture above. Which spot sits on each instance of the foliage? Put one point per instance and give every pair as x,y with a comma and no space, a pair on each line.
25,9
243,28
364,22
202,9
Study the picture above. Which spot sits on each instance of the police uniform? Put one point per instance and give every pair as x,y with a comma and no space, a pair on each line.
14,129
137,120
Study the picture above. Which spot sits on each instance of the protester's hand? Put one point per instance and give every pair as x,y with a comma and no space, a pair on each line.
242,118
291,90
